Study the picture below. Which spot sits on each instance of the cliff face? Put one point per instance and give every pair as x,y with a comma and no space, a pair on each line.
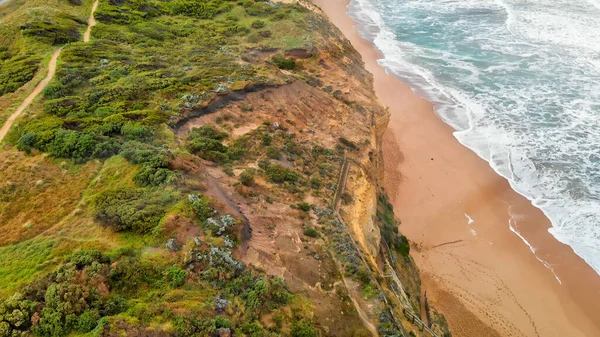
239,147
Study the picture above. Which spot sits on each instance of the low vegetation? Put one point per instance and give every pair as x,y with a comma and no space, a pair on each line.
389,226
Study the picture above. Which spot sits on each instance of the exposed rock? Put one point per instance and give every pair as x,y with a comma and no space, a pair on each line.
221,89
221,304
173,245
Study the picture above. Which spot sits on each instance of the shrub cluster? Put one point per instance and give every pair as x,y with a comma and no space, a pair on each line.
389,227
128,209
16,71
278,174
206,142
58,32
284,63
74,297
200,10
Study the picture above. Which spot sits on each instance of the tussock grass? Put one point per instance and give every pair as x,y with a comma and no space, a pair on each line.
37,192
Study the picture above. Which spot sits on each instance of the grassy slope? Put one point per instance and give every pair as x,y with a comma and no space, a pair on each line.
24,58
47,204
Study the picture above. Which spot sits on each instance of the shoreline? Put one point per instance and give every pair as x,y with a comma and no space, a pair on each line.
473,266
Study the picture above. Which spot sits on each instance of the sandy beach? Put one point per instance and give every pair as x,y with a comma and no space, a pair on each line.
457,212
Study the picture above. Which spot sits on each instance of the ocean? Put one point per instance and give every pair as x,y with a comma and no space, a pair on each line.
519,81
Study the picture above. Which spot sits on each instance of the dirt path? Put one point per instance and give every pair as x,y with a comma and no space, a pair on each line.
38,88
51,70
91,23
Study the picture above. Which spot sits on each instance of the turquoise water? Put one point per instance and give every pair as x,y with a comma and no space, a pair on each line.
519,80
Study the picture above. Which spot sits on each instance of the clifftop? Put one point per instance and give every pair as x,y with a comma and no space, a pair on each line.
196,168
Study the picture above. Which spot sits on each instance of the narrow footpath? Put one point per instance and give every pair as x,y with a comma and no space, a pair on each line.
51,71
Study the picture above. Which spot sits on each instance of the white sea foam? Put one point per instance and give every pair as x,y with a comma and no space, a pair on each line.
512,224
520,82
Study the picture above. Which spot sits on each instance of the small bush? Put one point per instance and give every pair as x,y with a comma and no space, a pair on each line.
303,206
349,144
284,63
273,153
303,329
363,276
310,231
247,177
315,183
279,174
176,276
88,321
206,143
258,24
63,106
201,206
129,209
346,198
72,144
222,322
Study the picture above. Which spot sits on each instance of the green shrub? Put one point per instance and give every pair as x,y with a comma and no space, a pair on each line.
27,142
315,182
63,106
199,10
279,174
303,329
303,206
207,131
206,143
88,321
259,9
284,63
349,144
57,32
310,231
72,144
258,24
130,209
15,315
136,131
15,72
176,276
83,258
201,206
222,322
363,276
273,153
247,177
402,246
150,175
267,139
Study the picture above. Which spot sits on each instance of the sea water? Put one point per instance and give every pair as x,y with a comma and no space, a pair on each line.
519,80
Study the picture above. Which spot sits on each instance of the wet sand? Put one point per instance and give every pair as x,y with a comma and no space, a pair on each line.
480,274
